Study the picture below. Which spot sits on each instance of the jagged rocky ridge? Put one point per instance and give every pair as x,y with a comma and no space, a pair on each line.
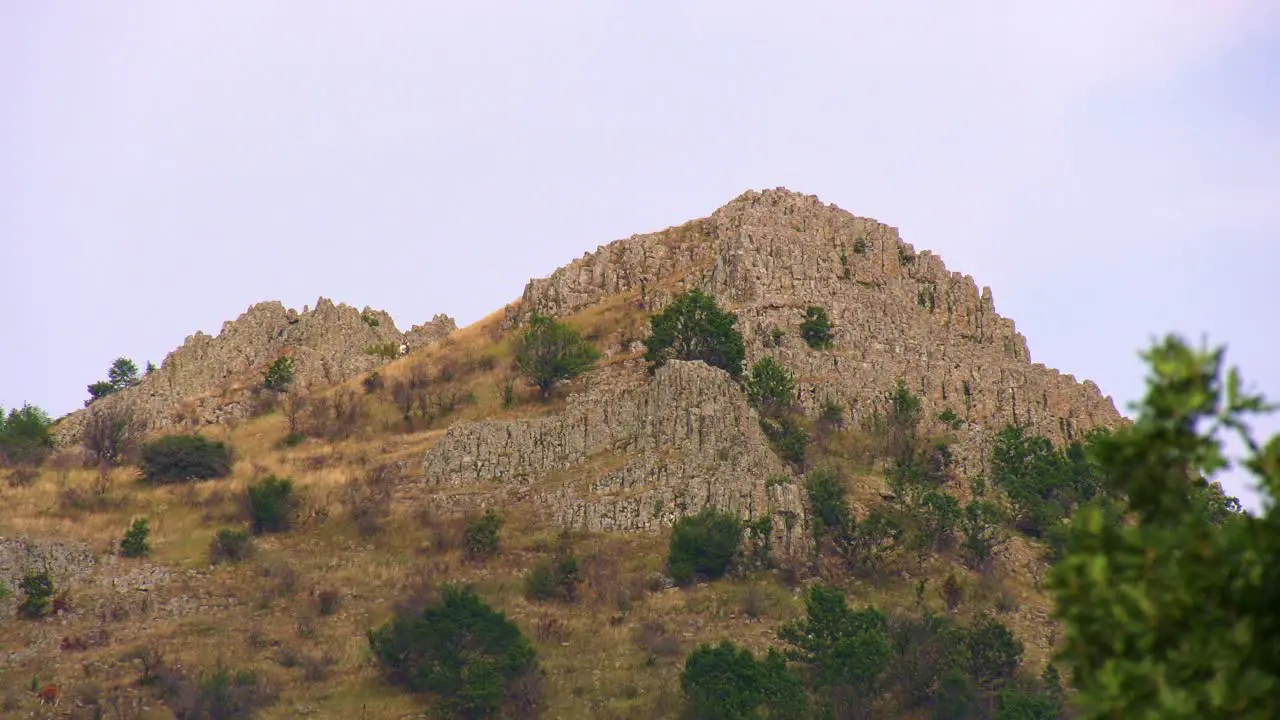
203,381
898,313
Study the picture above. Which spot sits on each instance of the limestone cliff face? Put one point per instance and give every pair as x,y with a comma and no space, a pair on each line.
629,454
197,383
897,313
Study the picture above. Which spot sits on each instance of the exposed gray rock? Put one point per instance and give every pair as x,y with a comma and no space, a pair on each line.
206,380
630,456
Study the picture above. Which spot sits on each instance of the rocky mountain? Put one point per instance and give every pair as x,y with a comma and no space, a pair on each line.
898,313
391,485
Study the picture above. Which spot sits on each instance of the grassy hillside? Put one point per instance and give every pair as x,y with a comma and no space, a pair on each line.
296,612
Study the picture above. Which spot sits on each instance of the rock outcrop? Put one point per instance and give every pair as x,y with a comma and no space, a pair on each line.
898,313
430,333
629,454
203,381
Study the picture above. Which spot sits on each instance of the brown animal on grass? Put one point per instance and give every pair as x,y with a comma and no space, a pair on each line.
50,694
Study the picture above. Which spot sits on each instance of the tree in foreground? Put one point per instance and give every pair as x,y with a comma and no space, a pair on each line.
1177,613
694,327
551,351
473,659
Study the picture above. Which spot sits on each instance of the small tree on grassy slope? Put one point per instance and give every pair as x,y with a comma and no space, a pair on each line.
25,437
551,351
466,654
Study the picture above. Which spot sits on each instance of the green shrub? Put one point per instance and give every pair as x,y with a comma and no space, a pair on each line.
703,545
994,653
5,592
328,601
134,543
860,246
874,540
829,503
831,413
956,696
272,504
180,458
25,438
293,439
98,390
980,526
551,351
846,651
771,385
471,658
788,435
507,391
370,320
220,694
929,667
937,517
558,579
481,536
230,545
949,418
776,334
816,328
37,589
279,375
694,327
1024,704
725,682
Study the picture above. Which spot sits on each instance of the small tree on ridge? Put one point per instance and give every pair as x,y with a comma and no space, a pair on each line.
552,351
694,327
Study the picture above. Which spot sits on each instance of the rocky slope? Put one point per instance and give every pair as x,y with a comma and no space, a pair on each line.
898,313
202,382
629,455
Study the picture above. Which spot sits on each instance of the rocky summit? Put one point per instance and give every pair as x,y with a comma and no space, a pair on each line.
898,314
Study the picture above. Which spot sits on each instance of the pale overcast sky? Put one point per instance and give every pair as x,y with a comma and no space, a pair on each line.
1111,168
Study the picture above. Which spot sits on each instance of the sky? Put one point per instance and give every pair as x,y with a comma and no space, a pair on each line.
1111,169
